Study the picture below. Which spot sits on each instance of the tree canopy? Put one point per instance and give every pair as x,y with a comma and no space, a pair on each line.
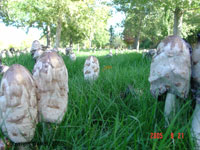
149,20
62,21
84,22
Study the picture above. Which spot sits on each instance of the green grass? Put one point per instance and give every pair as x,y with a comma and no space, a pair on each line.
101,116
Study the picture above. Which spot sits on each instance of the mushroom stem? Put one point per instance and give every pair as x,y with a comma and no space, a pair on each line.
196,125
169,111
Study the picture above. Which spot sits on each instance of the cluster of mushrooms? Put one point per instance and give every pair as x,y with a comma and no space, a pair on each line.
171,71
37,49
11,52
27,98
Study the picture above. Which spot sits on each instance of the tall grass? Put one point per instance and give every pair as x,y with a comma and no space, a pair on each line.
106,115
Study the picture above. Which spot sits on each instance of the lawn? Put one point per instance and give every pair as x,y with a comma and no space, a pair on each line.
116,111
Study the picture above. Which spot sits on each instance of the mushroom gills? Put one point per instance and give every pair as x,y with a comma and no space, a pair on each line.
170,107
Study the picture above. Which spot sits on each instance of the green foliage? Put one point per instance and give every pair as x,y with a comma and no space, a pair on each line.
153,20
101,38
118,42
80,20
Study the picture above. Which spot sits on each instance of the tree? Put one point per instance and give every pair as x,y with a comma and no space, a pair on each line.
65,20
179,8
152,19
111,31
137,13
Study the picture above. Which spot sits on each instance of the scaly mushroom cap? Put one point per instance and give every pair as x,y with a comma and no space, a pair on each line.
196,71
51,78
171,68
38,53
18,105
91,68
36,45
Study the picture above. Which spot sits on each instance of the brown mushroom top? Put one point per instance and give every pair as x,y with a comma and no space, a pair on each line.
36,45
52,58
19,74
196,72
173,40
171,68
95,60
51,78
18,105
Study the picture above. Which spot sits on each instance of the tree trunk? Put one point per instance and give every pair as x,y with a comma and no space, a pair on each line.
178,18
71,43
58,32
48,36
137,41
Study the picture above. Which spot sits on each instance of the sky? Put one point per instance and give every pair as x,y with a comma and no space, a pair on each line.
116,19
10,35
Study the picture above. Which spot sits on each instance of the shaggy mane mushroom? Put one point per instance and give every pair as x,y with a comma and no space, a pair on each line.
91,68
18,105
196,91
170,72
36,49
51,78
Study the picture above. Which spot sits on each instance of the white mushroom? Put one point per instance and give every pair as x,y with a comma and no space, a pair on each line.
36,45
91,68
8,53
72,56
18,105
51,78
196,85
37,53
3,54
3,69
170,72
36,49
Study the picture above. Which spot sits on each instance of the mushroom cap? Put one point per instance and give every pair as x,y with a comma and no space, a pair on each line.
196,71
3,54
171,68
8,53
91,68
38,53
36,45
51,78
18,105
3,69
